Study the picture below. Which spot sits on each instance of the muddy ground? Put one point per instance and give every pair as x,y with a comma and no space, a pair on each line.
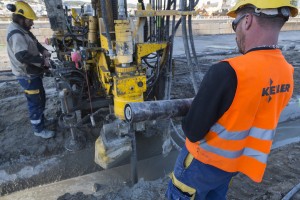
24,157
281,176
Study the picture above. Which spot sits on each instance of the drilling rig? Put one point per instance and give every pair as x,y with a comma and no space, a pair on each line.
106,58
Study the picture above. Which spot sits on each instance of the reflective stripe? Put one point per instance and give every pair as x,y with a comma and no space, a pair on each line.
262,157
32,91
188,160
34,122
224,134
262,134
183,187
258,133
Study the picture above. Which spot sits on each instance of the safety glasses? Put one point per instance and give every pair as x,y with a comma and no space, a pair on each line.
236,22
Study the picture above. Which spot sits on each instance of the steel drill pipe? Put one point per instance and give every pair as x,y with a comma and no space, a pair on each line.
154,110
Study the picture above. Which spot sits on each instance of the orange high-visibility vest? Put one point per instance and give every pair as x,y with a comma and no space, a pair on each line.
241,139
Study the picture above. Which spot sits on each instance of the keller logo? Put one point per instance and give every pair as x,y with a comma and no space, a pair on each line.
275,89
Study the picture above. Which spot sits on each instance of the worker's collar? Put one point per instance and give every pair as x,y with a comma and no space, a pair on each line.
264,47
20,27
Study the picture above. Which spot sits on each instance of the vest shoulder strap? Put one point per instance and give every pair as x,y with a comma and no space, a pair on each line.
12,33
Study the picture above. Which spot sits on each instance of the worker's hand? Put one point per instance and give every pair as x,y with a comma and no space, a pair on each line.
46,54
47,63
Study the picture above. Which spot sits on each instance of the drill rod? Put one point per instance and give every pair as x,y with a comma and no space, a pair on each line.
154,110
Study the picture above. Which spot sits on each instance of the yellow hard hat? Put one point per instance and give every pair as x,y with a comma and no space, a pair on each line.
265,4
24,9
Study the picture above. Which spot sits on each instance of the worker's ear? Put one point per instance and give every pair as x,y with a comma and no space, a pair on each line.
248,21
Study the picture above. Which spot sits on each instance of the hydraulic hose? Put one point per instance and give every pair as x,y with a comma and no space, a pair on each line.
187,48
179,21
168,81
175,144
187,52
114,5
105,21
291,193
190,27
177,133
146,21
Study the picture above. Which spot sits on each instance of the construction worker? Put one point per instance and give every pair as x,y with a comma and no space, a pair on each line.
29,60
232,120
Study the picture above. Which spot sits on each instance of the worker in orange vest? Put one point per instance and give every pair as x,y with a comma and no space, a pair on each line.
232,121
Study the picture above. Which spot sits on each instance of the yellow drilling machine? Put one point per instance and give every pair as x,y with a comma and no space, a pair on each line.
109,54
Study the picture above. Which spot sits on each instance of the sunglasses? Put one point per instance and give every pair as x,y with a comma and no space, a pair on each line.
237,21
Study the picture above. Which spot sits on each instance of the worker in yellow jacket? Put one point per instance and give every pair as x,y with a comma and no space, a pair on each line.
232,121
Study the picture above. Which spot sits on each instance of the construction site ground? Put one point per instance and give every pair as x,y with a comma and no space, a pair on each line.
34,168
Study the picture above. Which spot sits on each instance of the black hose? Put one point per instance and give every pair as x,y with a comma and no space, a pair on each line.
151,83
190,27
188,56
146,21
151,57
148,64
179,21
126,13
114,5
76,71
168,83
187,48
